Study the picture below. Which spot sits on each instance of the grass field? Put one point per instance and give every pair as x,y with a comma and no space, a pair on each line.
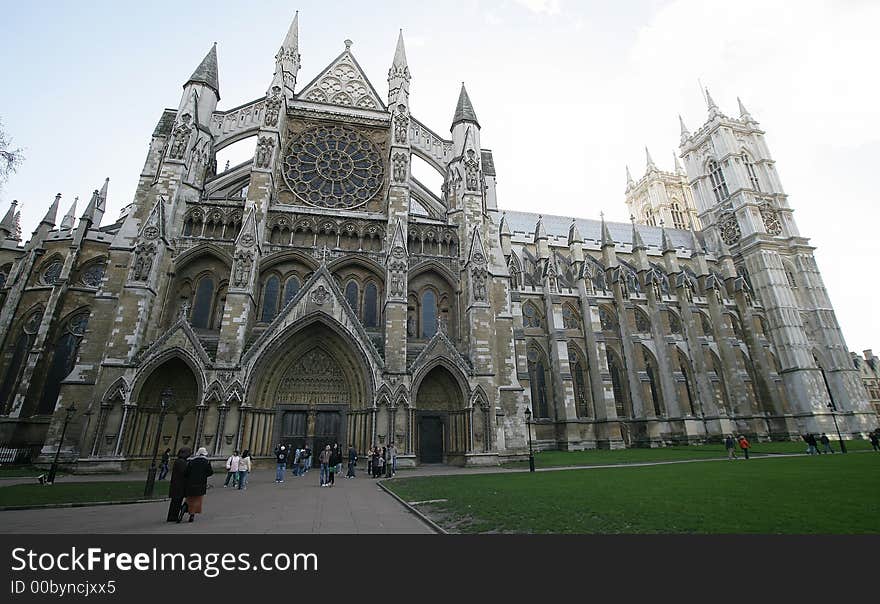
553,459
7,471
75,492
789,495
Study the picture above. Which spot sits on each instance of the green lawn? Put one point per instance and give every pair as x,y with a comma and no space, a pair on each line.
75,492
23,471
794,495
552,459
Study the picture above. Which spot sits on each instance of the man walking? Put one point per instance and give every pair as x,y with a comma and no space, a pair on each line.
297,453
391,462
308,454
812,447
744,445
731,447
875,439
324,459
826,444
281,463
352,461
232,470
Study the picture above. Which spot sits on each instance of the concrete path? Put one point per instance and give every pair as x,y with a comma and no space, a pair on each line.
298,506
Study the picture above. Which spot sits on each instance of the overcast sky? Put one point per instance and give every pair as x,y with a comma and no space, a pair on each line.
568,93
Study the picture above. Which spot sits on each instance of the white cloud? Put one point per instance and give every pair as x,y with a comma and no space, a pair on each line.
542,7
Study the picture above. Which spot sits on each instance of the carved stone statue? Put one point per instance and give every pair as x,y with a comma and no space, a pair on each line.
243,263
472,172
180,138
143,262
399,161
264,151
273,107
401,124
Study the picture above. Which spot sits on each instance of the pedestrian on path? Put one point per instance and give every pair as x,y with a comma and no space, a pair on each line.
352,461
244,468
335,462
163,467
308,455
232,469
744,445
390,460
197,471
176,487
826,444
875,439
281,463
297,453
730,445
324,460
812,446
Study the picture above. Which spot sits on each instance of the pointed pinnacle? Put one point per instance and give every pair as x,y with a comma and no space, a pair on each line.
637,242
665,244
685,133
710,102
629,178
698,247
400,52
678,168
464,110
505,228
206,72
606,236
9,220
69,218
52,213
743,112
650,161
540,231
574,233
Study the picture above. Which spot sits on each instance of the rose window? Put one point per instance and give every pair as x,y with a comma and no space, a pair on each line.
333,167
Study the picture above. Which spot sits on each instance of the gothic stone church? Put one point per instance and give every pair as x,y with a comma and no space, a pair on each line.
318,292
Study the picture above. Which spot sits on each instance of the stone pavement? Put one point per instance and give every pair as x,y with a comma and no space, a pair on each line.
298,506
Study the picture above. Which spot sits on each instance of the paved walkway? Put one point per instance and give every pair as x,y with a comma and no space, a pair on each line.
298,506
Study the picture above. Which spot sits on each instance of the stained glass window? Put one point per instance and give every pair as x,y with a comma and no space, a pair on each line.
333,167
62,361
352,294
531,317
371,305
52,272
201,312
270,299
570,318
291,289
92,275
429,314
719,184
538,383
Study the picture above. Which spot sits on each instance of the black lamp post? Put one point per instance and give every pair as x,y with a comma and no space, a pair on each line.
167,395
836,427
70,411
529,426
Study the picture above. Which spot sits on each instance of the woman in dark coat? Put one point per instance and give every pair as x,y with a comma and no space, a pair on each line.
176,487
197,471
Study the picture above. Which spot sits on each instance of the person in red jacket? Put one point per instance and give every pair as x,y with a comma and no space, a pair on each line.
744,445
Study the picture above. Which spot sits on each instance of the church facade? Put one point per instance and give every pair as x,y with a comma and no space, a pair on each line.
319,293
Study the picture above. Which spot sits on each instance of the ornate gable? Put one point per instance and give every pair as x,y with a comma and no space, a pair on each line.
343,83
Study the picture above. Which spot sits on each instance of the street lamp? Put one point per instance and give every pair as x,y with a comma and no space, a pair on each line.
836,427
167,396
529,426
69,416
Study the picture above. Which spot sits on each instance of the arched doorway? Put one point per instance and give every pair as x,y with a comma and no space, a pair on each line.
175,381
443,428
313,388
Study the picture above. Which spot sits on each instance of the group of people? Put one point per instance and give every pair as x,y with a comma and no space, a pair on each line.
730,444
382,461
813,444
237,469
301,462
189,482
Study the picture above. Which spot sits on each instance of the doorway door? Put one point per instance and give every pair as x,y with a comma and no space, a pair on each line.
431,439
328,426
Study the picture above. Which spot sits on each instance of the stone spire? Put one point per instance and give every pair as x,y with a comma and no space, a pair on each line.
574,233
743,112
685,133
399,76
698,247
52,212
7,225
504,235
665,243
70,217
637,242
287,61
629,178
609,254
650,160
94,212
575,242
606,236
678,168
464,111
206,72
541,245
710,103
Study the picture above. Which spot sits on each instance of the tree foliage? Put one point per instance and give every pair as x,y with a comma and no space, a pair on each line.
10,157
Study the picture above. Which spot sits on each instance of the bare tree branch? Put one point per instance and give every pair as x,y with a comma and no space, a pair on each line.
10,157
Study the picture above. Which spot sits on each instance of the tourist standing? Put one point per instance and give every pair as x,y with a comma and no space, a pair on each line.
308,455
280,463
176,488
744,445
244,468
352,461
875,439
324,460
335,460
297,453
826,444
391,461
730,445
197,471
232,469
163,467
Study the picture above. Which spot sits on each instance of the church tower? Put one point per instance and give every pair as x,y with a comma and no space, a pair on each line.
661,197
743,208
